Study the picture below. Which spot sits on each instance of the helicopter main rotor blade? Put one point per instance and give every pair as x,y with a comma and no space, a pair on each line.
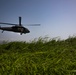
19,24
8,23
32,25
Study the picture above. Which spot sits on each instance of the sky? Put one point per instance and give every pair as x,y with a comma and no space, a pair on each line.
57,18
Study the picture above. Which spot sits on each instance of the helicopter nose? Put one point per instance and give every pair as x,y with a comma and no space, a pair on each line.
28,31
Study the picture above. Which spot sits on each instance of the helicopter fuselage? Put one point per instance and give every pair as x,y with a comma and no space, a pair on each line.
19,29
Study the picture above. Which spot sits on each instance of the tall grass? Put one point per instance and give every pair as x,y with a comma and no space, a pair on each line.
41,57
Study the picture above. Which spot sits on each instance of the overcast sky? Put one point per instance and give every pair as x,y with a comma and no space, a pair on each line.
57,18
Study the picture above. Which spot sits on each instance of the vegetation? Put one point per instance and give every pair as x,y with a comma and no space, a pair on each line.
53,57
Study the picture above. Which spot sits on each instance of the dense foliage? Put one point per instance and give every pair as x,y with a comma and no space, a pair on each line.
55,57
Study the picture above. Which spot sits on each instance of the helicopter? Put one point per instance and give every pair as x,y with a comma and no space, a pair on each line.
17,27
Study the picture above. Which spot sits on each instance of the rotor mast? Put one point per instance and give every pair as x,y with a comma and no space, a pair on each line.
19,21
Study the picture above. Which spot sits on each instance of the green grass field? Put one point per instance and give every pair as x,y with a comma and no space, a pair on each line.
55,57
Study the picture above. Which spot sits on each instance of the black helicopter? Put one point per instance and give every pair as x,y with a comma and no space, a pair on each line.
17,27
